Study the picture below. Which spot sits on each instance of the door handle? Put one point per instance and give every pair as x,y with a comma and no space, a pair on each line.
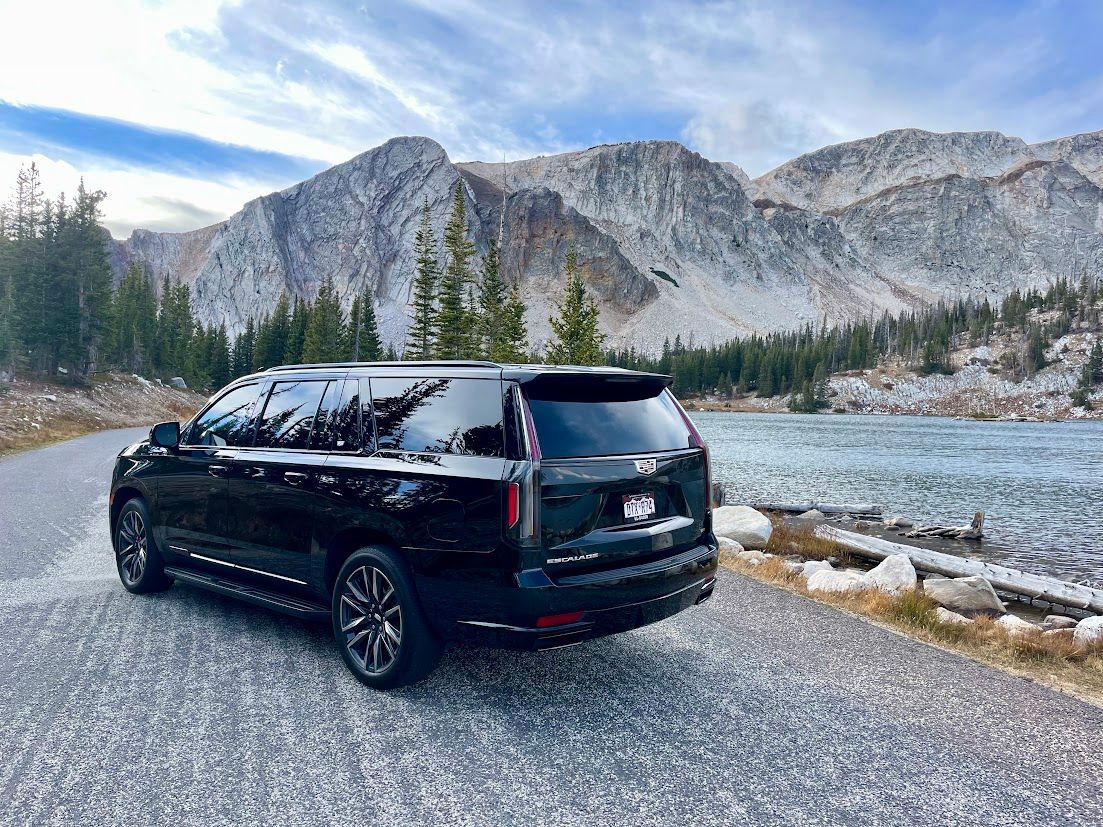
294,477
217,470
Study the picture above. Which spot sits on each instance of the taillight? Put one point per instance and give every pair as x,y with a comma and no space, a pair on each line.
530,430
513,509
698,442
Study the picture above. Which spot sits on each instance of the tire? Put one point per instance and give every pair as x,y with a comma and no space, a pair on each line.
137,558
378,623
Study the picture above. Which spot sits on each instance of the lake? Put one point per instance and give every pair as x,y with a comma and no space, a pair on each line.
1039,484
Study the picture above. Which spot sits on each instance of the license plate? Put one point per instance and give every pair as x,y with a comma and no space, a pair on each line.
638,506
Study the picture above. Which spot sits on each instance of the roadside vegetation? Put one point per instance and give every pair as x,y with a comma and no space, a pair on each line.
1053,660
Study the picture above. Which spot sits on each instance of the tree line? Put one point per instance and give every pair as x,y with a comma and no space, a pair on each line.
799,362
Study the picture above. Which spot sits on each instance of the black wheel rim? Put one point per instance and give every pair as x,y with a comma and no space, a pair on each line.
371,619
133,546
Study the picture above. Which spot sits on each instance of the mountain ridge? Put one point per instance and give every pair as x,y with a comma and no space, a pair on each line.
882,224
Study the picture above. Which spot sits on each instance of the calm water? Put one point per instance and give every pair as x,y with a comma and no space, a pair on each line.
1039,484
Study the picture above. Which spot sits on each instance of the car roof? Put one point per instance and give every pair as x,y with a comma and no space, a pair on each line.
441,367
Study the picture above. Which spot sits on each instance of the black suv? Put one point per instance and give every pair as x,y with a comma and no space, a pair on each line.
414,503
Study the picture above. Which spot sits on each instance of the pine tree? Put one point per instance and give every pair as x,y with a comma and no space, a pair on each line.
271,345
577,338
511,341
454,323
421,338
300,319
364,344
491,307
241,361
325,334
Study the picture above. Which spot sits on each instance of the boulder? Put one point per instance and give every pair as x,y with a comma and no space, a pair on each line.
965,595
751,557
899,522
1060,634
793,566
812,566
1089,631
839,582
1058,622
894,574
727,544
178,383
946,616
814,514
749,528
1015,625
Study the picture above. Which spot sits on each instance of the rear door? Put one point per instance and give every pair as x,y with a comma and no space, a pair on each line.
273,488
622,478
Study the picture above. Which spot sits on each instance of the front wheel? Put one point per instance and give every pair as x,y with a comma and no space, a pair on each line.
141,568
382,633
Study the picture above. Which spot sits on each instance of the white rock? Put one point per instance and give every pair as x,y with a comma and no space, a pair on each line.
970,594
793,566
814,514
899,522
946,616
1089,631
752,557
749,528
1058,622
812,566
894,574
729,545
836,581
1016,625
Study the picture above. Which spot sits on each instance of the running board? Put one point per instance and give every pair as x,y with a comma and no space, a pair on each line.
250,594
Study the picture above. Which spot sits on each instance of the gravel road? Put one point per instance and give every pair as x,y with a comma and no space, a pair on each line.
758,708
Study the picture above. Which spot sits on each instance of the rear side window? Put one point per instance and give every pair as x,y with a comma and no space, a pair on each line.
599,429
289,414
228,421
445,416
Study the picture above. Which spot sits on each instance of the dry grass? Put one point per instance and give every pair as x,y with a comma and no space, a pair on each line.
790,539
1052,660
30,418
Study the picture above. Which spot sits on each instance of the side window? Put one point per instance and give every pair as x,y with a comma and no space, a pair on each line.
321,438
288,415
346,424
227,422
445,416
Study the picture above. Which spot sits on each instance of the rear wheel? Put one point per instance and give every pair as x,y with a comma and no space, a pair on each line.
384,638
137,558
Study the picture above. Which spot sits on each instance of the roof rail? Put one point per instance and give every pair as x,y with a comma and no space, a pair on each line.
450,363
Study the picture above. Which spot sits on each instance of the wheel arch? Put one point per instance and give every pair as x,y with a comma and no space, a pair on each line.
119,498
344,543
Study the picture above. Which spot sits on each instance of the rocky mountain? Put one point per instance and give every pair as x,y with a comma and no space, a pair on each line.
669,242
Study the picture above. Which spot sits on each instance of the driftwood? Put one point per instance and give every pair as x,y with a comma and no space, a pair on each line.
1005,579
973,531
865,509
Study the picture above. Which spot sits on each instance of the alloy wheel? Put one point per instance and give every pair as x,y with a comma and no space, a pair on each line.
371,619
133,546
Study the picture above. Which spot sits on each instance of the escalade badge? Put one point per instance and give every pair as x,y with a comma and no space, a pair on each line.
645,466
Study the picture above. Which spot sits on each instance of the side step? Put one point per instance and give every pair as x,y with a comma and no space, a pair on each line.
250,594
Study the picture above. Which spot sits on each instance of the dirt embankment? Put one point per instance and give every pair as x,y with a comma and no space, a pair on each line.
34,413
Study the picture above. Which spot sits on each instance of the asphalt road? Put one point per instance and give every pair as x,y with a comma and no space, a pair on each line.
758,708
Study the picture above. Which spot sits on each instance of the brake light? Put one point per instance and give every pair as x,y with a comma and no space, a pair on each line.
530,430
558,620
513,509
698,442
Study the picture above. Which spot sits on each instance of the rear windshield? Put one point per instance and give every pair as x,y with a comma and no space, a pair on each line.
600,429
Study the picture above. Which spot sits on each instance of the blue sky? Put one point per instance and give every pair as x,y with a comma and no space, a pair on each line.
183,109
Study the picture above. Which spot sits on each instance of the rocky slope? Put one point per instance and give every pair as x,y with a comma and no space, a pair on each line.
670,242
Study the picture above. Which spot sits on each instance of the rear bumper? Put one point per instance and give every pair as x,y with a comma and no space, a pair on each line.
610,601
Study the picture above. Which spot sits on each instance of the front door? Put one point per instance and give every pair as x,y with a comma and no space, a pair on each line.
192,490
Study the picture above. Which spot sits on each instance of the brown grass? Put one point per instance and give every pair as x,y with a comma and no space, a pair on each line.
1052,660
802,540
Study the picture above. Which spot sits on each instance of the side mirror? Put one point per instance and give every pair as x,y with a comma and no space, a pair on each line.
165,435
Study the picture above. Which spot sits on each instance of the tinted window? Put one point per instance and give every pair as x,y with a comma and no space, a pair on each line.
598,429
321,438
449,416
289,414
347,422
227,421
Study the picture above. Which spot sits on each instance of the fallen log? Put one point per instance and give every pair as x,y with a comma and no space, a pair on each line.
1005,579
866,509
973,531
